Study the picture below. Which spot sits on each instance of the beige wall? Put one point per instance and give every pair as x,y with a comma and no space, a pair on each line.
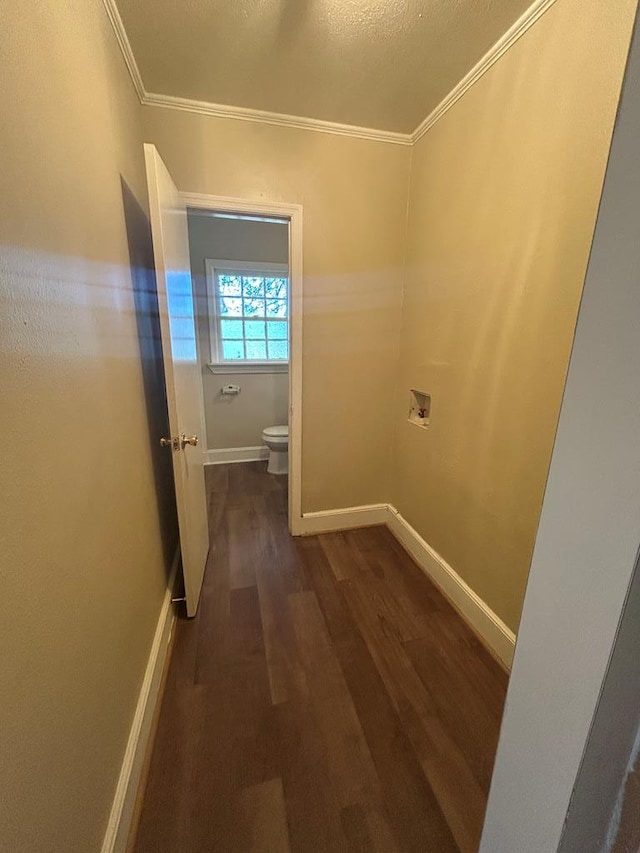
82,563
503,198
502,203
354,197
264,399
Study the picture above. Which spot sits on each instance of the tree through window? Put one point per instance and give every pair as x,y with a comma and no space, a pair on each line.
251,313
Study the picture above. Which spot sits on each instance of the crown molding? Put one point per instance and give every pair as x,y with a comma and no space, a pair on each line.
125,47
278,119
238,113
515,32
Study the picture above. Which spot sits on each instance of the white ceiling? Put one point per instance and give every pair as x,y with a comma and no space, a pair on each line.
381,64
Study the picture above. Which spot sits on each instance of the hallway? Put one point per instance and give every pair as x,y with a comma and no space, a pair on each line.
325,698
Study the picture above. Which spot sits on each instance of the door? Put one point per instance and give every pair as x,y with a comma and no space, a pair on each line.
182,372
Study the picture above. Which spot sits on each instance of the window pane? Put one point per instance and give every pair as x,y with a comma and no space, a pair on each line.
232,350
256,349
230,306
244,303
279,349
276,287
278,330
276,308
253,288
231,329
230,285
253,307
254,329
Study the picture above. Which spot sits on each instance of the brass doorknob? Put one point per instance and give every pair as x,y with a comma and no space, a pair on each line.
170,442
192,440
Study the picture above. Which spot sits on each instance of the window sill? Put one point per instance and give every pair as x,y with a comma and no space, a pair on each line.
257,367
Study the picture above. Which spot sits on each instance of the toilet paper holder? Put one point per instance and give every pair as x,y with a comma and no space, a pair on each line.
230,390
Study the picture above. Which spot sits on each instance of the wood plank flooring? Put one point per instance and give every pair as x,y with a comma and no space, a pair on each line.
325,698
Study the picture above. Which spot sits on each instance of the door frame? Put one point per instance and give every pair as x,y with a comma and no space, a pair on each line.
292,213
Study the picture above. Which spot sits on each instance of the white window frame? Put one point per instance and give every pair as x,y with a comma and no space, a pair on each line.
216,364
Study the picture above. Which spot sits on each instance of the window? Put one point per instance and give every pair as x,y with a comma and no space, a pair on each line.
248,316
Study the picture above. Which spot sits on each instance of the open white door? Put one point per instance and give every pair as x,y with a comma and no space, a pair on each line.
182,372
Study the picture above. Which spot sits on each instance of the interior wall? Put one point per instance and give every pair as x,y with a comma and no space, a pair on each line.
84,564
503,197
264,400
577,646
511,175
353,193
602,793
624,821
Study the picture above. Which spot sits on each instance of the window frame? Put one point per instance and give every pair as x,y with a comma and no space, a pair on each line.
264,270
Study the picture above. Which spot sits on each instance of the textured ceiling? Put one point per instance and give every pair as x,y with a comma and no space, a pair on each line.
382,64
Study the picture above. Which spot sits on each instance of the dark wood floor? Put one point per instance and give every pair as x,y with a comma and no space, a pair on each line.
325,698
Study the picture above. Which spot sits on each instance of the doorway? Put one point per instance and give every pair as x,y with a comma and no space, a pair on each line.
246,262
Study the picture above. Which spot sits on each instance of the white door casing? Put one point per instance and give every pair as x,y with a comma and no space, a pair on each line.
168,215
292,213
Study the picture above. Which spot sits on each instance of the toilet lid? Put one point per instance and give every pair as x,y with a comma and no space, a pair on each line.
277,431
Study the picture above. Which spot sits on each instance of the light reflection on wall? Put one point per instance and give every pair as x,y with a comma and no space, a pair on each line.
75,307
181,315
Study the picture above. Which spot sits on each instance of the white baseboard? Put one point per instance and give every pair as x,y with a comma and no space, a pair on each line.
341,519
224,456
483,620
490,628
117,833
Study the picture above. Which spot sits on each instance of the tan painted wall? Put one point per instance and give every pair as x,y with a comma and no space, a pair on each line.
354,197
82,563
503,198
264,399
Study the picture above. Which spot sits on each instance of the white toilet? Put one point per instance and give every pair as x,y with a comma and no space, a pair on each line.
277,440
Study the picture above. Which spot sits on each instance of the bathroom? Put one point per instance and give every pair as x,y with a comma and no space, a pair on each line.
240,272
